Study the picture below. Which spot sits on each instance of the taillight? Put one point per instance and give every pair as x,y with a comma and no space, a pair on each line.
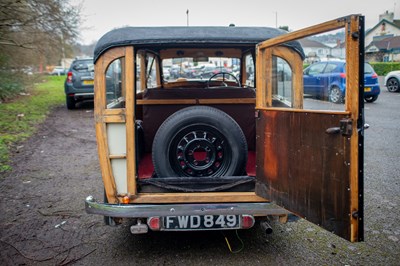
343,75
247,221
69,77
374,76
126,199
154,223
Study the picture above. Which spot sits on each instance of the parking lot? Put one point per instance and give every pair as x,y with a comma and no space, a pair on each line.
43,219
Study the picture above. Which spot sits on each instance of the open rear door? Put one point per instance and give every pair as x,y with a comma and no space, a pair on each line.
310,150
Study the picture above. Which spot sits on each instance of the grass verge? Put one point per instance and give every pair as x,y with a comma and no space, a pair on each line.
20,117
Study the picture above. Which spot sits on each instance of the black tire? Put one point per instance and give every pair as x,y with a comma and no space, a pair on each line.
335,95
199,141
371,99
393,85
70,102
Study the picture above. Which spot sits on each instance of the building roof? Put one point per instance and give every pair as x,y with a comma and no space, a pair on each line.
189,37
312,44
387,44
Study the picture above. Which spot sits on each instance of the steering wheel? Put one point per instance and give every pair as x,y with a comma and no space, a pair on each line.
223,79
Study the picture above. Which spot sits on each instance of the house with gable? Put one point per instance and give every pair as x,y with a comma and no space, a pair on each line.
382,42
386,27
385,50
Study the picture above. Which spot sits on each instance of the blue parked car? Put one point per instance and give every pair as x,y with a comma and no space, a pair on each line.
327,80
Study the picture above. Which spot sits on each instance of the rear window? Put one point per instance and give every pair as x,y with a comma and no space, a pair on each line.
200,68
83,65
368,69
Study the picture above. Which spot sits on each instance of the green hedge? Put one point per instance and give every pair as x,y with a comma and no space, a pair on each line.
382,68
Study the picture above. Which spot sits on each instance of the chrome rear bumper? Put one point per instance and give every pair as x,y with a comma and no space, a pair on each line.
148,210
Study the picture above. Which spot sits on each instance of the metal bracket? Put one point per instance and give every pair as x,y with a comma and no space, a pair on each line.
345,127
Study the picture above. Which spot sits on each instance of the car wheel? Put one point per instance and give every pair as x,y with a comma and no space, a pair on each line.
335,95
70,102
392,85
371,99
199,141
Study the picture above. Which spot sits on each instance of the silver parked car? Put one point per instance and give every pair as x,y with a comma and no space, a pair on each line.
392,81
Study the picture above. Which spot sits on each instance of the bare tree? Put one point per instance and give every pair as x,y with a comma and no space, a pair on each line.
36,31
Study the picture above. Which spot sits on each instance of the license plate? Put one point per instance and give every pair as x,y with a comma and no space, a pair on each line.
88,82
201,222
367,89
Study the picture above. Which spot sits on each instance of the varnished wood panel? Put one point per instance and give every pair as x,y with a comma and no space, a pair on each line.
304,169
305,111
100,114
353,87
197,101
129,79
196,197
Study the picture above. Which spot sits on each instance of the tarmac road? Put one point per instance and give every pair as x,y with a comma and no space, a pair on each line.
43,222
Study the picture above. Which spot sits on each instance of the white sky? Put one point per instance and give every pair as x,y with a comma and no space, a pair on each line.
101,16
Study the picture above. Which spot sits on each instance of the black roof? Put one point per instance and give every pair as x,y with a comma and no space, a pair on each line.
188,36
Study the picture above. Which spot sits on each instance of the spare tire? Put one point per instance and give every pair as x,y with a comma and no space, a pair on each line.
199,141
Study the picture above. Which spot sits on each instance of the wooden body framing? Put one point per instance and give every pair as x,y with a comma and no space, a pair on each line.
268,171
104,116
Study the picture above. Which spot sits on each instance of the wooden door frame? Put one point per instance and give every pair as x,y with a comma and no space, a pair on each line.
354,28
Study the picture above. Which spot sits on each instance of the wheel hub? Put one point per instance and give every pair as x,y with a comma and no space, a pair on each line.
200,153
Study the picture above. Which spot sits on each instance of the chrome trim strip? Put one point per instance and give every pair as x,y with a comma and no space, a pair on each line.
148,210
84,94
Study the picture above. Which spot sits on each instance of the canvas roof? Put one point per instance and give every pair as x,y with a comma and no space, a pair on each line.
157,37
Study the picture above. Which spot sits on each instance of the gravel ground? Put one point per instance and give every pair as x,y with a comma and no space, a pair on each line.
43,222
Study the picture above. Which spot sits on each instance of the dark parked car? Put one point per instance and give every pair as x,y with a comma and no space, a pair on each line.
79,84
327,80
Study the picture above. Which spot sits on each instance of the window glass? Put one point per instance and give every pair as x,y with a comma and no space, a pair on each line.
151,71
249,65
315,69
114,85
324,80
330,68
83,65
138,69
368,69
282,83
194,68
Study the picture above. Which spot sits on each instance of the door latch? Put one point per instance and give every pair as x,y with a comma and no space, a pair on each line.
345,127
